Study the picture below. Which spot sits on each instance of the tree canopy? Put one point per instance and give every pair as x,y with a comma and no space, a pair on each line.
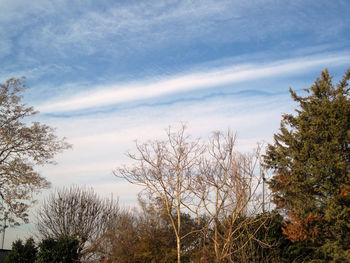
23,144
310,158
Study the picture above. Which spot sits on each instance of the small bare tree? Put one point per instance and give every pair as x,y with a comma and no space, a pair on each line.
166,169
77,212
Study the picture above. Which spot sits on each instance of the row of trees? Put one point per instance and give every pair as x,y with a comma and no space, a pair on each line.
63,250
202,201
144,235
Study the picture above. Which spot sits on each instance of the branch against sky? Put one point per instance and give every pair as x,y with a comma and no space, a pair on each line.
213,180
228,186
78,212
166,169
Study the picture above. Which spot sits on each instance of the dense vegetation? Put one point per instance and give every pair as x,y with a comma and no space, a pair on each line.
50,250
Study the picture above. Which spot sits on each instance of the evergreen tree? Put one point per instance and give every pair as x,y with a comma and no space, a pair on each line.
22,253
60,250
310,158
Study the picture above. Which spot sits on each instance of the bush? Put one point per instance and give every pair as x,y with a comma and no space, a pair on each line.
60,250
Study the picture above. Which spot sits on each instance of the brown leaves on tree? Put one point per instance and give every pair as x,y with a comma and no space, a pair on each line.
297,229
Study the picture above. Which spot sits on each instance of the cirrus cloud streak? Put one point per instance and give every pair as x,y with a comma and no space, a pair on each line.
122,93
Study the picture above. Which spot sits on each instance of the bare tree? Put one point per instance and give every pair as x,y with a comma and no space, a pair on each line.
166,169
212,181
22,146
80,213
227,188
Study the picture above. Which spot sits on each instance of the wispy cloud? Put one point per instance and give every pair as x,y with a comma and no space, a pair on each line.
121,93
116,27
164,23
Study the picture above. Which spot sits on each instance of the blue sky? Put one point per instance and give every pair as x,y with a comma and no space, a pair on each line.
105,73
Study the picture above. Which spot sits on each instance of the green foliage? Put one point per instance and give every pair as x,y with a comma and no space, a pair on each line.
310,158
269,243
60,250
22,253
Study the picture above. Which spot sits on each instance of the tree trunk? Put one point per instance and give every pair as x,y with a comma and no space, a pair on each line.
178,243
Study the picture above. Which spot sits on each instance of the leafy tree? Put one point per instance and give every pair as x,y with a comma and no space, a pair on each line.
157,240
22,145
60,250
310,158
118,242
147,236
22,253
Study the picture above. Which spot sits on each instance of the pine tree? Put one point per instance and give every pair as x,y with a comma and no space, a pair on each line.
310,158
22,253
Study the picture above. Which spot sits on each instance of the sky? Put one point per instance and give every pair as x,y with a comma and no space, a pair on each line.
106,73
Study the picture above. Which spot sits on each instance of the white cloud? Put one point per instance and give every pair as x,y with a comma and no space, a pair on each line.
120,93
100,141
